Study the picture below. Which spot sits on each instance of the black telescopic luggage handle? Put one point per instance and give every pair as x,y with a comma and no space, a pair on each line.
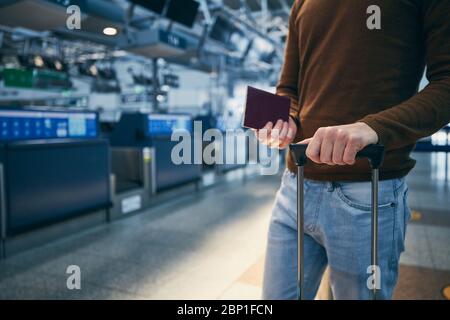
375,154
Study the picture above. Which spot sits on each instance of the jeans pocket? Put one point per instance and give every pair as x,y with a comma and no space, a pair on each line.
358,195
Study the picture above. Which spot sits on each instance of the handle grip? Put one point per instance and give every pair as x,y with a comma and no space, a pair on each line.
374,153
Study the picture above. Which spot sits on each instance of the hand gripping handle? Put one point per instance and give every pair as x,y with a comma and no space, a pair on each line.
374,153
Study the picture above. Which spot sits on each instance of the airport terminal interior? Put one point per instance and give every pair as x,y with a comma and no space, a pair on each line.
92,93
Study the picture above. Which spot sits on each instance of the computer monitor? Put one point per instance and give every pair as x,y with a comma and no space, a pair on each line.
153,5
165,124
232,37
183,11
221,30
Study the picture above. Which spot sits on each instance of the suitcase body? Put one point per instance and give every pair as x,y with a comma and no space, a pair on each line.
375,155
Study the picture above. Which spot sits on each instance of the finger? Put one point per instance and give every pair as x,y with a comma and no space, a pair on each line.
263,136
268,126
338,151
264,133
283,133
350,152
275,133
306,141
278,125
314,146
326,149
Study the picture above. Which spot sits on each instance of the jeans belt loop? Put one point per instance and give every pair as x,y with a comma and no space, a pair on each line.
331,186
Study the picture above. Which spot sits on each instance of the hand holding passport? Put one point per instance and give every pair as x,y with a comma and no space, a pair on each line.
263,107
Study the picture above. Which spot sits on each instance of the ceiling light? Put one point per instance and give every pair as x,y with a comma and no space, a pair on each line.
58,65
93,70
38,61
110,31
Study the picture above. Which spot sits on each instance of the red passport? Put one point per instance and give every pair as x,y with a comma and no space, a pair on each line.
263,106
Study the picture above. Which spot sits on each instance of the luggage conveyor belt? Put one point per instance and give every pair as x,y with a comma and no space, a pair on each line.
141,152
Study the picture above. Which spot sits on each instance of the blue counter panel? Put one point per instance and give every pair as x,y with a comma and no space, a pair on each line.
49,182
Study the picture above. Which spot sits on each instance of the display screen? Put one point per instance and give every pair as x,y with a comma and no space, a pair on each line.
221,31
153,5
183,11
33,125
166,124
229,35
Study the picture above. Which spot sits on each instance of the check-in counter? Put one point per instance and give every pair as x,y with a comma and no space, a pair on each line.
234,153
53,168
207,122
130,167
151,134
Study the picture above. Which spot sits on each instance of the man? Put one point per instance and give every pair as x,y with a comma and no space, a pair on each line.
353,81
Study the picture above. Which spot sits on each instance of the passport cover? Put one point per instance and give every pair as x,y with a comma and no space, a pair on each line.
262,107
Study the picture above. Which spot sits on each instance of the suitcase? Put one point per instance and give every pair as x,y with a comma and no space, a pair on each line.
375,155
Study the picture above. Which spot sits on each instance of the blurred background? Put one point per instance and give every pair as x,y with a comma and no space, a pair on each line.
88,103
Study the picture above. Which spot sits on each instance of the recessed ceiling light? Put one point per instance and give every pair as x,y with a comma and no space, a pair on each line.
110,31
38,61
93,70
58,65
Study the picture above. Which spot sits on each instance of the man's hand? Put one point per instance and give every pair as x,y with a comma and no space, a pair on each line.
278,136
339,145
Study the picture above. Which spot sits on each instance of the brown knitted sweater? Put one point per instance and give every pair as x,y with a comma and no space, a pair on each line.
338,71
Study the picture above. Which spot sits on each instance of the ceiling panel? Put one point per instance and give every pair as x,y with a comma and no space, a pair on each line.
33,14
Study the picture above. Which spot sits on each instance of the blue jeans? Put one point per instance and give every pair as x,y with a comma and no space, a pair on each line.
337,234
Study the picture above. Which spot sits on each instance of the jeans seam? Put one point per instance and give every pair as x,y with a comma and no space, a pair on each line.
316,213
394,243
397,187
406,212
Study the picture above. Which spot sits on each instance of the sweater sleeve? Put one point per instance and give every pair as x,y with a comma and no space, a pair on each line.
288,83
429,110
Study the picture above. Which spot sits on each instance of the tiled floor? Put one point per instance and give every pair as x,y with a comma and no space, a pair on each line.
212,247
425,264
190,249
